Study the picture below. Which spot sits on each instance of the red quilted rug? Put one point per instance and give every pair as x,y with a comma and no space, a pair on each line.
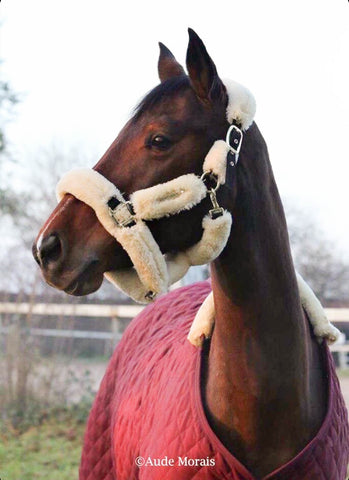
148,423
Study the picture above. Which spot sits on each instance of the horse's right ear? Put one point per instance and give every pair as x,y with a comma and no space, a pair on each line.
202,71
168,66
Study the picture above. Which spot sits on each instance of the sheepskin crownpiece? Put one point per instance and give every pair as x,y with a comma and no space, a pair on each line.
241,104
152,272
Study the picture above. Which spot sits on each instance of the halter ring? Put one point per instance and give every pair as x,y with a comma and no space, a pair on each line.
210,176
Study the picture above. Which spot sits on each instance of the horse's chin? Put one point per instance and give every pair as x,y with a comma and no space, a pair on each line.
79,282
79,288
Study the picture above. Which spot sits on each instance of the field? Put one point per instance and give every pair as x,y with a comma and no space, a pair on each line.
52,450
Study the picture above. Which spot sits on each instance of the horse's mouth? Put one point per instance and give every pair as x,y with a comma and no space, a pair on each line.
79,288
88,281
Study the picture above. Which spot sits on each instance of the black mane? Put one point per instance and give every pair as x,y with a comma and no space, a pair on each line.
164,89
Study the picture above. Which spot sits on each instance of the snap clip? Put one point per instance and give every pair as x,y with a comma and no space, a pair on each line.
216,211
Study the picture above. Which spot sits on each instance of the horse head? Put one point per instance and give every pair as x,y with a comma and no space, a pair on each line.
169,135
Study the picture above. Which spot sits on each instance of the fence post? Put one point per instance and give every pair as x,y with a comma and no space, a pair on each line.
116,330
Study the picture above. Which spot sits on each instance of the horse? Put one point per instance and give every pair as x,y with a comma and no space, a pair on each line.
259,399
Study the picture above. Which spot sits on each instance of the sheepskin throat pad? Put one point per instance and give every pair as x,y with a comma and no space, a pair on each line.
153,272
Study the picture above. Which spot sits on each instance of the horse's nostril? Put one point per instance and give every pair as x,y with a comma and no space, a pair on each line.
50,249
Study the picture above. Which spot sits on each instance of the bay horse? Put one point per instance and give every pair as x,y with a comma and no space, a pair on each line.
260,399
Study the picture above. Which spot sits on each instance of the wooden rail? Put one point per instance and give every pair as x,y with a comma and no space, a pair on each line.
121,311
53,332
79,310
116,312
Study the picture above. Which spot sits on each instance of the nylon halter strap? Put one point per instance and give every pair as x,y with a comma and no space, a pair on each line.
154,272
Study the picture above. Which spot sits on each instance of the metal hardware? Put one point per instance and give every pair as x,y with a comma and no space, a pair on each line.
150,295
113,202
123,215
232,158
211,177
216,211
210,180
237,142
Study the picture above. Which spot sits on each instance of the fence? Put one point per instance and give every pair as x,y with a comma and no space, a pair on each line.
118,312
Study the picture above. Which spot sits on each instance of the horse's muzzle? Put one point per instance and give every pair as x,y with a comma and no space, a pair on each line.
50,254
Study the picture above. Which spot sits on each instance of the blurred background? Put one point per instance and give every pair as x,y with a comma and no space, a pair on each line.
71,73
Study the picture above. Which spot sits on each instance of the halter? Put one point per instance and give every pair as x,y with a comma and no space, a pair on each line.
152,272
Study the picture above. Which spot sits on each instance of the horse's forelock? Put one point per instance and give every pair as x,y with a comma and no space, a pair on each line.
165,89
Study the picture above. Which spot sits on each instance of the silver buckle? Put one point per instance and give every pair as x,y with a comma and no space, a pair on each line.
123,214
234,148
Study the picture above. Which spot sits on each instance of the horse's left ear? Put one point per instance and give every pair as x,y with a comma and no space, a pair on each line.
202,71
168,66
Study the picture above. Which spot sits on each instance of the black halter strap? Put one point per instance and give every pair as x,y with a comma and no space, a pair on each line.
234,140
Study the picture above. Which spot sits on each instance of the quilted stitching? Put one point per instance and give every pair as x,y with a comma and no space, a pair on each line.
145,407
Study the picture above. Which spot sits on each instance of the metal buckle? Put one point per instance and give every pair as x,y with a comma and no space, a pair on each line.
237,143
122,217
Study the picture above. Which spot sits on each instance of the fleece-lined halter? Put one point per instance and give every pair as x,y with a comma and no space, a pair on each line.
152,272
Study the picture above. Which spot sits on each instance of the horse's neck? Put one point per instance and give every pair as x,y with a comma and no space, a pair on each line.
258,365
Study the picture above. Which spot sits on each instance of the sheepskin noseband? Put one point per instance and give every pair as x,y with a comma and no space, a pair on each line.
153,272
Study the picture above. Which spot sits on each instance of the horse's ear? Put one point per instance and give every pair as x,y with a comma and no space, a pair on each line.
202,71
168,66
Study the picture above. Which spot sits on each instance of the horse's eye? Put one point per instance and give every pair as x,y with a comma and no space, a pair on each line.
160,142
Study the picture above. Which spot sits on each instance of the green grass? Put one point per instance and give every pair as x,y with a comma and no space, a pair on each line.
51,450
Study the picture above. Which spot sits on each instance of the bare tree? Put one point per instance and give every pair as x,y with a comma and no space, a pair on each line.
38,199
317,258
8,99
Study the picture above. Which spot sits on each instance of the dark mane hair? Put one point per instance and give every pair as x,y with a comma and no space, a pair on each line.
155,96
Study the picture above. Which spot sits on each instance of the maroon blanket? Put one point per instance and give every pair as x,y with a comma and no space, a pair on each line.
148,421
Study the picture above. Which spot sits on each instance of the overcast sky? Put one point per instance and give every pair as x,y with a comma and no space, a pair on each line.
82,66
